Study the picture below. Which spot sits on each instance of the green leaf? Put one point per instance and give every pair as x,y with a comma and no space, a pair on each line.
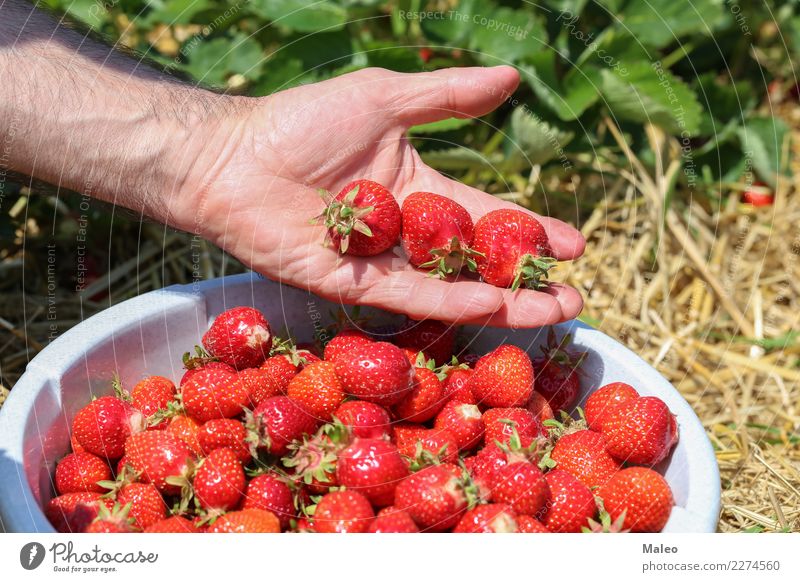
181,11
440,126
762,142
579,90
302,15
574,7
658,23
281,74
649,94
461,159
507,35
390,56
453,27
213,60
533,140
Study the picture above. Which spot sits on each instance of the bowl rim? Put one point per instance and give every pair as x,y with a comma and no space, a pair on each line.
699,514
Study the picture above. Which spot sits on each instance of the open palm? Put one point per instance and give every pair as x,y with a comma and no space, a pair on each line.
258,200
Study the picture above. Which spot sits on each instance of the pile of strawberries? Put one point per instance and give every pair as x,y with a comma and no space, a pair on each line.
365,436
507,248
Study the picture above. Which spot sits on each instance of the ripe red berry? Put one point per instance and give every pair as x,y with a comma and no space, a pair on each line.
174,524
103,425
214,393
528,524
456,385
514,249
433,496
80,472
246,521
392,520
147,507
343,512
159,458
464,421
152,394
279,372
501,424
558,373
489,518
373,467
364,419
571,506
584,454
602,400
277,422
503,377
204,366
74,512
343,342
219,482
378,372
240,337
269,492
363,219
642,495
317,389
227,433
522,486
642,431
425,399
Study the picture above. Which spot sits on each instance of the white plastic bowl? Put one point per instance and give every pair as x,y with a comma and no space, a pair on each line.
148,334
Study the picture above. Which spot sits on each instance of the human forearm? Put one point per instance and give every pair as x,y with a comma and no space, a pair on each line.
78,114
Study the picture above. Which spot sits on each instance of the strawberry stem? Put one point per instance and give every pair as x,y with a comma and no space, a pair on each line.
532,272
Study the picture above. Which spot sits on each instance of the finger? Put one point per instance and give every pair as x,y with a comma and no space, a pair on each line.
375,281
566,242
524,308
457,92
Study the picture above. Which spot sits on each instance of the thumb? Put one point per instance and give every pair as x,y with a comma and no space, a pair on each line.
457,92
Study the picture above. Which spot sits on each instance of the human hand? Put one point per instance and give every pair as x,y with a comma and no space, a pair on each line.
253,191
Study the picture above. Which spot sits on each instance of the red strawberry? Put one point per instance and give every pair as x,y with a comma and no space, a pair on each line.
437,233
258,384
424,401
343,512
541,410
557,373
219,482
485,467
240,337
147,507
378,372
80,472
513,248
456,385
584,454
642,431
432,446
114,520
102,426
528,524
501,423
489,518
364,419
246,521
279,372
214,393
314,460
277,422
206,365
74,512
522,486
406,435
758,195
434,338
571,506
174,524
343,342
188,430
503,377
318,390
372,467
602,400
160,458
224,433
272,494
434,497
363,219
642,495
392,520
464,421
152,394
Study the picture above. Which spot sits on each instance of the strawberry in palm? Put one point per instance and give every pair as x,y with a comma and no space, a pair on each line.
363,219
437,233
558,373
513,250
